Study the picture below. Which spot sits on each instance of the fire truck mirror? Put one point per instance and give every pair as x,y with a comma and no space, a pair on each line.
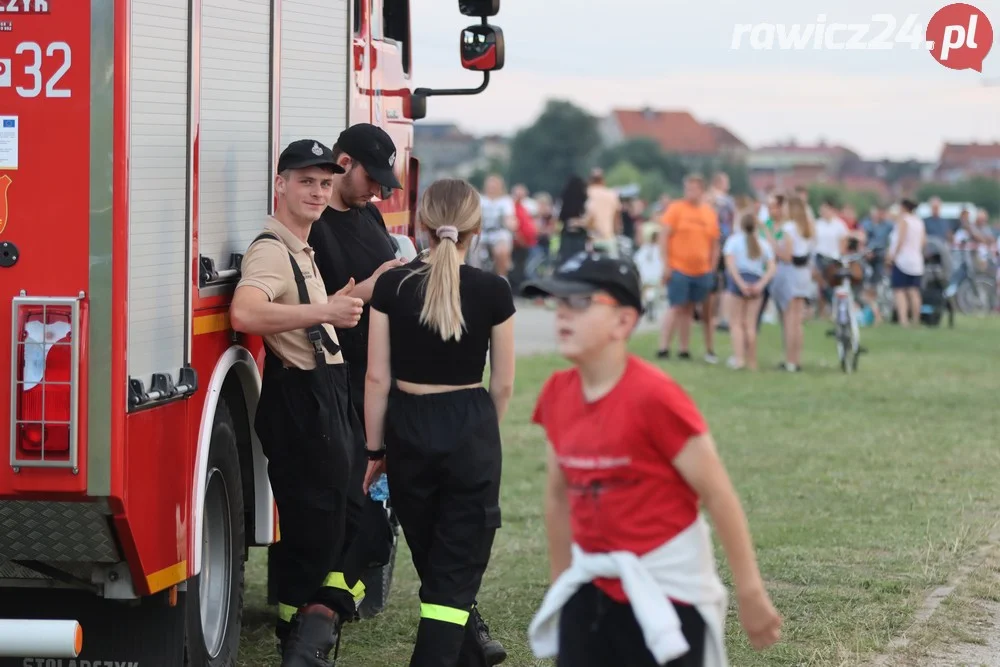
482,48
479,7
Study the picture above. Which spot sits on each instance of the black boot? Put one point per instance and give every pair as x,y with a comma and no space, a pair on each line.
495,652
314,633
283,630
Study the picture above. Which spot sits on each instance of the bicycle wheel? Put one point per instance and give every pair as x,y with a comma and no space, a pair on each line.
884,300
975,296
843,348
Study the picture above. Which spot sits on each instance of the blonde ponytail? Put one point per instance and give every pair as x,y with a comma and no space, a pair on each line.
442,303
450,209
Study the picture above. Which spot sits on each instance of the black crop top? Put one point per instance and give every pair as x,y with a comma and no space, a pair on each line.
417,353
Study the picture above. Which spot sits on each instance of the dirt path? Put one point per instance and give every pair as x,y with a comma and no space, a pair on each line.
958,625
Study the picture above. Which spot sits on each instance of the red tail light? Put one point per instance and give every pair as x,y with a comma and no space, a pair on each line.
45,376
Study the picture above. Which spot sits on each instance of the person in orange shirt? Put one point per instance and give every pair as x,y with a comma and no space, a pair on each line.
690,248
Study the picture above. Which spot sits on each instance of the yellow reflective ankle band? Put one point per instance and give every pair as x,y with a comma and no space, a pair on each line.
437,612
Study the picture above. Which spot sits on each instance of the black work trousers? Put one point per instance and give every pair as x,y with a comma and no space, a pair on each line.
596,630
443,461
313,441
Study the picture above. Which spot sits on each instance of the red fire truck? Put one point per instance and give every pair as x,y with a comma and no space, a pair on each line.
138,140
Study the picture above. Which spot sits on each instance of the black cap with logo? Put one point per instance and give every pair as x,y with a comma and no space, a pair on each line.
307,153
373,148
589,272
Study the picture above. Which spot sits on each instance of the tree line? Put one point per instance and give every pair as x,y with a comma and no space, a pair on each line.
565,140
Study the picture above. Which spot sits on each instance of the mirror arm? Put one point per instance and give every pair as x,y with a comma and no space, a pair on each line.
427,92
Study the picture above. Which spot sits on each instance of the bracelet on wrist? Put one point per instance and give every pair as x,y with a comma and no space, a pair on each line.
375,454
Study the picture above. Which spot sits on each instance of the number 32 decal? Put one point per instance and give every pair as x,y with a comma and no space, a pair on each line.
35,69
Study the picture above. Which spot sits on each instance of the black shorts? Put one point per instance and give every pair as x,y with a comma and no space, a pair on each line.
597,631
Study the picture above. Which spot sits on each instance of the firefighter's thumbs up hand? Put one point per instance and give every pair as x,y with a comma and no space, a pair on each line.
346,289
344,311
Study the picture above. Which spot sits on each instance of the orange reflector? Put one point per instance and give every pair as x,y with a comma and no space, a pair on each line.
78,642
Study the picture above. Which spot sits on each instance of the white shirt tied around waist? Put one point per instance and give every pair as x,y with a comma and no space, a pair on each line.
682,568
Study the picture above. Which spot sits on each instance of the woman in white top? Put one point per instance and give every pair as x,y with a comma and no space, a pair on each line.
906,257
793,280
749,268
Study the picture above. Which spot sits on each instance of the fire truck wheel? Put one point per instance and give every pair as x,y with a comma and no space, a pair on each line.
215,595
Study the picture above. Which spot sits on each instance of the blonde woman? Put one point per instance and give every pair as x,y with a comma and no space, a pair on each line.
793,280
750,266
432,323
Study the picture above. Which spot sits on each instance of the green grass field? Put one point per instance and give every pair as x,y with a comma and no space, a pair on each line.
863,493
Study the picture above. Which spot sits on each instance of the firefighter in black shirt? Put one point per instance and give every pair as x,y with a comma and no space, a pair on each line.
351,241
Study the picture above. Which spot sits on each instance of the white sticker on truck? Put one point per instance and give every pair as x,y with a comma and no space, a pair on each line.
8,142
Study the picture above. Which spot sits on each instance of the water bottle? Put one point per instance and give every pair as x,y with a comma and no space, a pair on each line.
379,490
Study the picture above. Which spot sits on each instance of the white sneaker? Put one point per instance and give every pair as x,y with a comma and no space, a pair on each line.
732,363
711,358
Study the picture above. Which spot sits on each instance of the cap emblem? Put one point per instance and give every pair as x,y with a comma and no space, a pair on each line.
316,150
392,159
573,263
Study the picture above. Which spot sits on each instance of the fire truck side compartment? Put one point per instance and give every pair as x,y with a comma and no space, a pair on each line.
158,267
234,127
314,71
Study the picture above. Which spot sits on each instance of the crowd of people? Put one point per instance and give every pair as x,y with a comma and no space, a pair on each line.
731,263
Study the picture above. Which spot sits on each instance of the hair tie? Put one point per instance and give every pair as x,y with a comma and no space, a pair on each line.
448,232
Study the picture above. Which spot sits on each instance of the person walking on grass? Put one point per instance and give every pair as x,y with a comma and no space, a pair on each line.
633,572
433,322
749,268
906,259
690,247
792,282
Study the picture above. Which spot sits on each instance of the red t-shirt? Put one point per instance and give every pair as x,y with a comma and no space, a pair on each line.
616,454
527,230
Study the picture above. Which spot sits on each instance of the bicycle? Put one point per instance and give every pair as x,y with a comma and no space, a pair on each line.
847,333
884,301
973,288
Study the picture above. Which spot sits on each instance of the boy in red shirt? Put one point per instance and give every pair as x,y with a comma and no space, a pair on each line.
629,461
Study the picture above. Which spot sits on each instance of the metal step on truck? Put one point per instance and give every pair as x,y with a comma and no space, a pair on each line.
138,141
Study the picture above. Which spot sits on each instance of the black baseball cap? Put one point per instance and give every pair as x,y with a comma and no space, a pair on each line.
307,153
373,148
589,272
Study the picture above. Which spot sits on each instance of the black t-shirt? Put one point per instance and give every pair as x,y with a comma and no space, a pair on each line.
628,225
351,244
417,352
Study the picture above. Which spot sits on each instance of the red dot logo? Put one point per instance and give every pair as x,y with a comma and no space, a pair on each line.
3,68
960,37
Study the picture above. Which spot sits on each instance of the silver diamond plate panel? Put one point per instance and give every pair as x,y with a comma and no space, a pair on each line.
81,571
12,571
55,532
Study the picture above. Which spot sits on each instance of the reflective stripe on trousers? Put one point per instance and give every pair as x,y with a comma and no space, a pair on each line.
443,461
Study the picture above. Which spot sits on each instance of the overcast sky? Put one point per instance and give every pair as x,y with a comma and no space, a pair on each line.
667,54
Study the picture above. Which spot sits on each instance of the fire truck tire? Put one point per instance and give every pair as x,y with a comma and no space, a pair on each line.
215,595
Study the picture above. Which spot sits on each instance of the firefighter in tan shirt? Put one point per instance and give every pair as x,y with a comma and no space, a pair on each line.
305,421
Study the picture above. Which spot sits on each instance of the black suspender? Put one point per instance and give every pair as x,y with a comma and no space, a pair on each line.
317,335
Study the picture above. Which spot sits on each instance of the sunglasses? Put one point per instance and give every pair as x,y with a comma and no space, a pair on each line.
583,301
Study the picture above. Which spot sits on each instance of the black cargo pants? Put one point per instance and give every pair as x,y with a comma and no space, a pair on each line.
443,461
314,444
310,433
